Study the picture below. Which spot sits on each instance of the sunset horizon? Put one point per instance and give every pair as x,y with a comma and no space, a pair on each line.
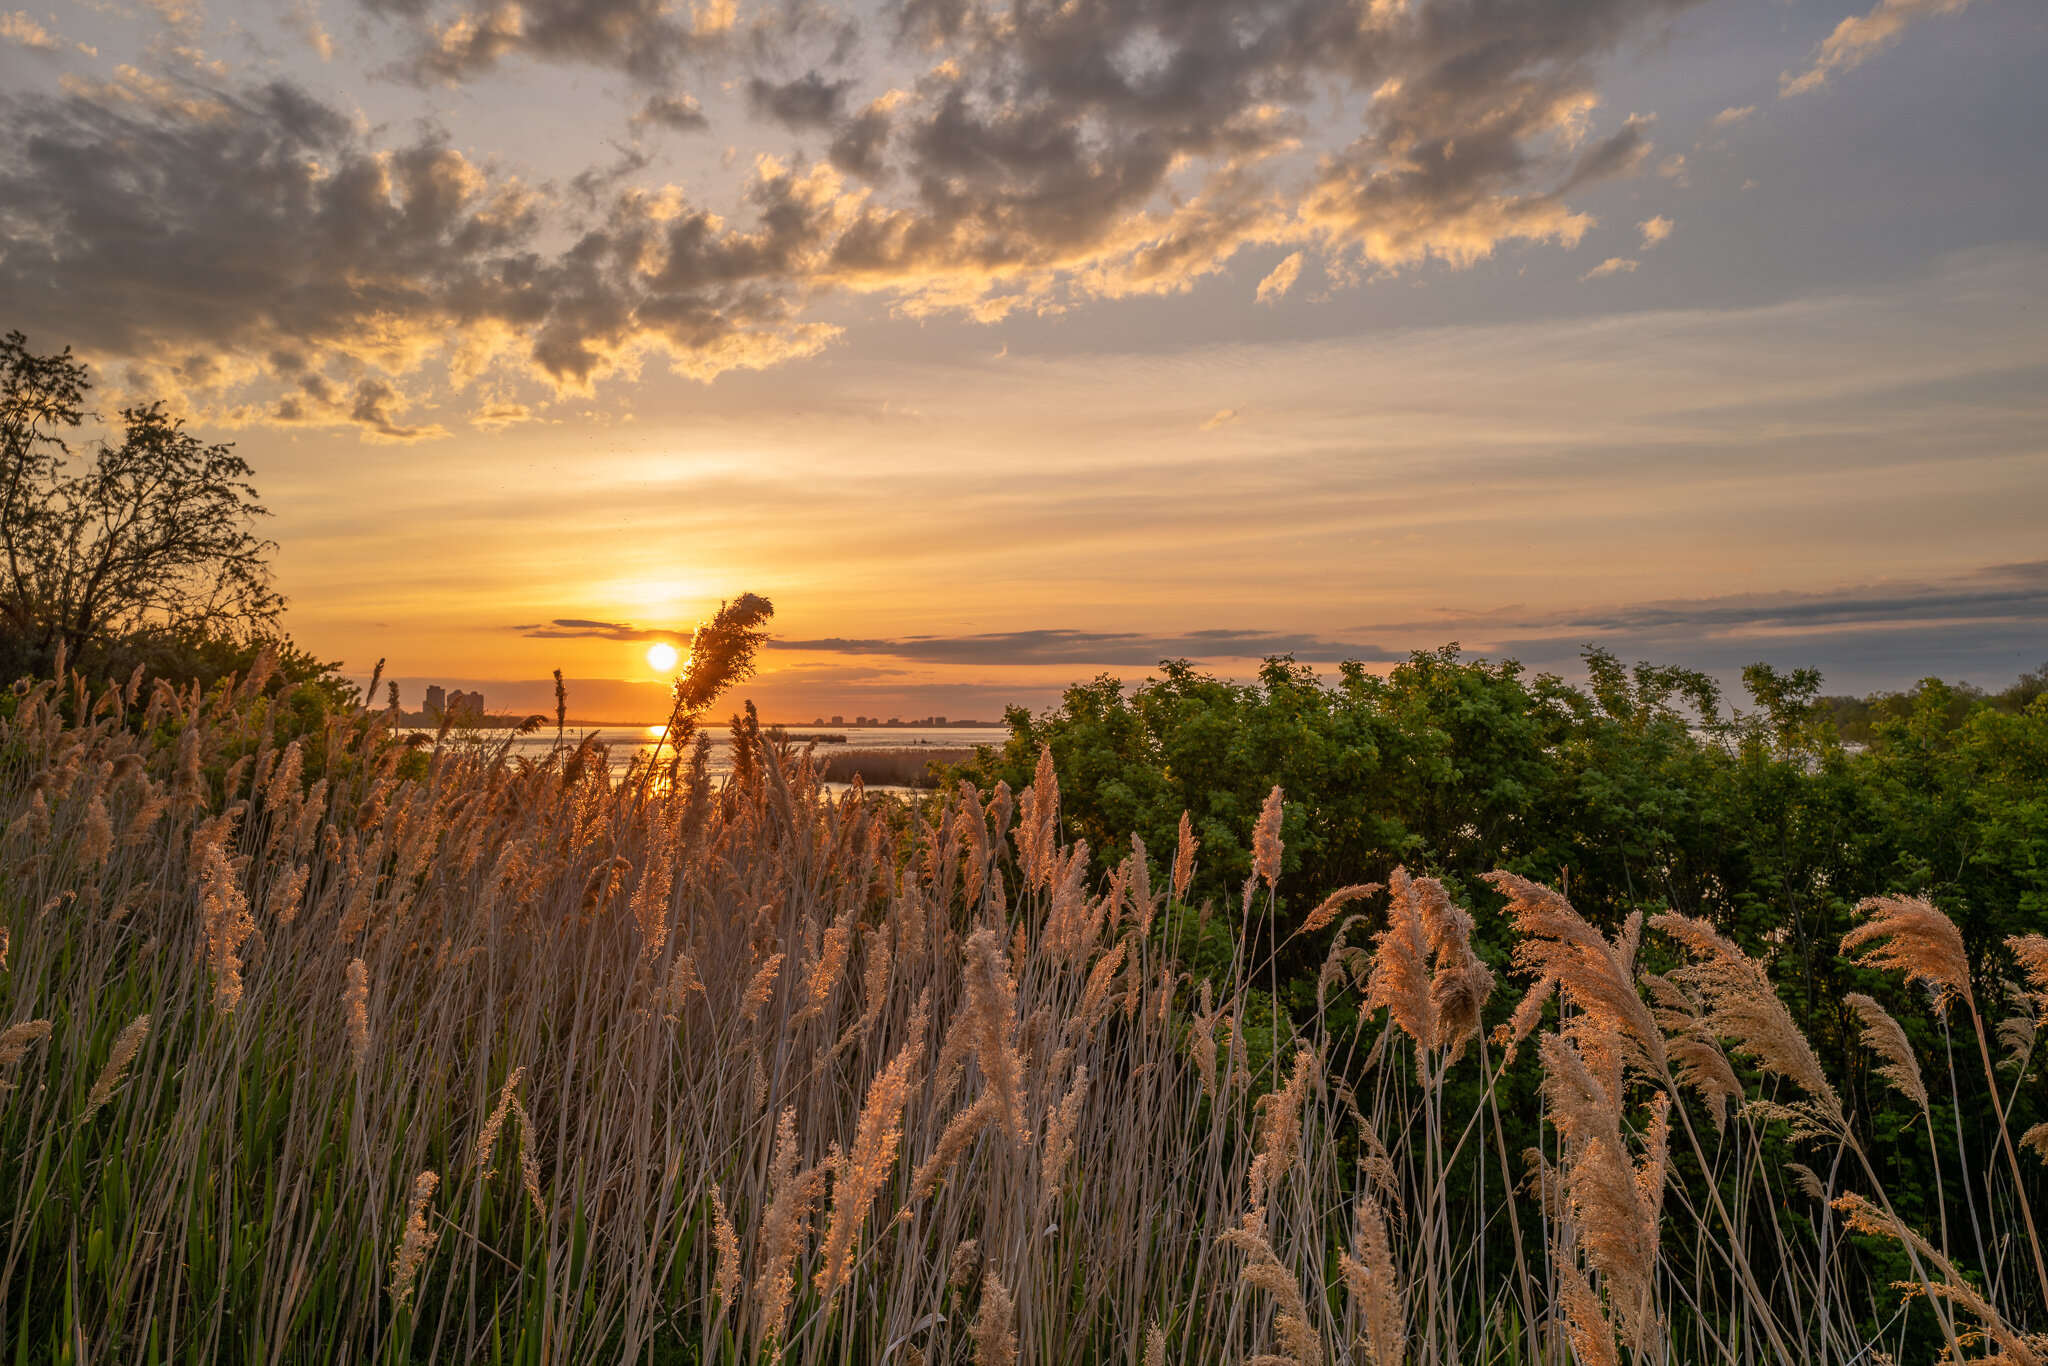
1700,333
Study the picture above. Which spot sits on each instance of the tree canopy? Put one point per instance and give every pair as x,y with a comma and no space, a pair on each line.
149,532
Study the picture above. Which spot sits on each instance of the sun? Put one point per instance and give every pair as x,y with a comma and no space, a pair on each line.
662,657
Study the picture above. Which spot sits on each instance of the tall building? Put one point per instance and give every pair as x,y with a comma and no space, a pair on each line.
436,703
466,706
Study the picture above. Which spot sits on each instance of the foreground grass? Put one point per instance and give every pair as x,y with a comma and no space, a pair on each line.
340,1051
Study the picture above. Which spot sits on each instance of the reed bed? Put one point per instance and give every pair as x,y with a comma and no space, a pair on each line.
344,1050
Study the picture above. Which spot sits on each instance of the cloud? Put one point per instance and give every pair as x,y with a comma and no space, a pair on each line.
679,112
577,628
1860,37
18,28
1655,230
1223,418
810,101
2001,605
1733,115
1107,648
208,230
1281,279
1613,265
648,40
238,240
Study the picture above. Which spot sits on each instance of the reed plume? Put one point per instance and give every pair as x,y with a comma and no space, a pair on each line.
1330,906
16,1039
126,1045
1743,1006
784,1229
487,1139
356,1006
1184,858
868,1162
1368,1272
1267,845
1908,934
225,911
415,1243
990,1020
995,1324
1614,1207
725,1282
1300,1341
1563,952
1883,1036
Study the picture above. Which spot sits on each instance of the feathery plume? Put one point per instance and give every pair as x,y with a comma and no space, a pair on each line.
1267,845
867,1164
1202,1040
682,980
1327,910
415,1243
1696,1056
1907,934
827,967
96,840
1184,858
128,1043
2037,1139
760,989
1807,1180
1592,1339
283,784
991,1017
1300,1342
725,1280
964,1266
487,1140
784,1228
1155,1345
1059,1138
225,911
650,896
1742,1005
1614,1207
356,1005
16,1038
1368,1271
281,902
995,1324
2032,952
1561,950
1884,1036
1280,1137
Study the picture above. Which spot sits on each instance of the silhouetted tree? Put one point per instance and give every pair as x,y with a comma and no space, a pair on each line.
154,535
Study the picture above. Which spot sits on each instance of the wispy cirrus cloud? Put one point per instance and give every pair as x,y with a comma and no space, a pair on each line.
579,628
1860,37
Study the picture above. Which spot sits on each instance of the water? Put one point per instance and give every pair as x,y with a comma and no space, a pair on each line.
627,742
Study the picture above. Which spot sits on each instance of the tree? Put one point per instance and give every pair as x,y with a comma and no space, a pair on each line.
154,535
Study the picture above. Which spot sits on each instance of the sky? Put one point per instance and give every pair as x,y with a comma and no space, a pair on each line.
1006,343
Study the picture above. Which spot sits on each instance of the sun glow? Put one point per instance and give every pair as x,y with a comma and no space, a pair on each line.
662,657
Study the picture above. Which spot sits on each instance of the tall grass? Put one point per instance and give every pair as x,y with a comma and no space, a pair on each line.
352,1052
